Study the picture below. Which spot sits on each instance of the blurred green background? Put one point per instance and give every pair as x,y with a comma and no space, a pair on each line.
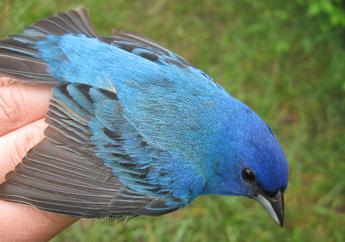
285,60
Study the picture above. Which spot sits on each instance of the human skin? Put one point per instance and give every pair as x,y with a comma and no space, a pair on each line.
22,111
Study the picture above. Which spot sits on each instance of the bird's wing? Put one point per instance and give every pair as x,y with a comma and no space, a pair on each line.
145,47
19,56
39,55
93,163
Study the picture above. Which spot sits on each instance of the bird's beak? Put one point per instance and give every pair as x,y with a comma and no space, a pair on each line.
273,205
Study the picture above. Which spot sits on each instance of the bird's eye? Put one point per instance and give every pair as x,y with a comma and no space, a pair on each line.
248,175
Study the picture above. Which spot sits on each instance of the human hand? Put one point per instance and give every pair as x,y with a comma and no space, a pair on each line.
22,111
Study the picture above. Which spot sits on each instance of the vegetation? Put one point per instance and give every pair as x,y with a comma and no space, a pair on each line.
285,60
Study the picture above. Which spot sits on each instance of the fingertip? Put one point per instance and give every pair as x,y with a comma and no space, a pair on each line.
14,145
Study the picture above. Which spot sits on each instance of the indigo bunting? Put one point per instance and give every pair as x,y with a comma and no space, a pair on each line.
134,129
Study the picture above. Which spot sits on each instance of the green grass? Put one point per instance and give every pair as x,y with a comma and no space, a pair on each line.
285,65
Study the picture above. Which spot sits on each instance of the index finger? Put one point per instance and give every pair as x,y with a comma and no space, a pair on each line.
21,104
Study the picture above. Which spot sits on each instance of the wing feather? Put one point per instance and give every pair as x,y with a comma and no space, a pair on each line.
69,174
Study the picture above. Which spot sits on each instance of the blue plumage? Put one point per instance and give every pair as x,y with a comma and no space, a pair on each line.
164,131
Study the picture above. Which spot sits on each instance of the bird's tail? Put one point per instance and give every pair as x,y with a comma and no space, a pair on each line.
19,53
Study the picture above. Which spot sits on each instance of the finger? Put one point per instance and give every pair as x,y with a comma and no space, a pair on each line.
22,104
4,81
14,145
20,222
24,223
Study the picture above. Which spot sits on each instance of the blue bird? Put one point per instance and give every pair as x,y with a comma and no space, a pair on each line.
134,129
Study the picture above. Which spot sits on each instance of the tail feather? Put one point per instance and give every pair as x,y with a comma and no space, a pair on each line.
20,61
17,48
80,20
26,39
35,31
19,54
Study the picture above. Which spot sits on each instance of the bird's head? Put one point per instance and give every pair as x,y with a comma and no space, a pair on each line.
251,163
